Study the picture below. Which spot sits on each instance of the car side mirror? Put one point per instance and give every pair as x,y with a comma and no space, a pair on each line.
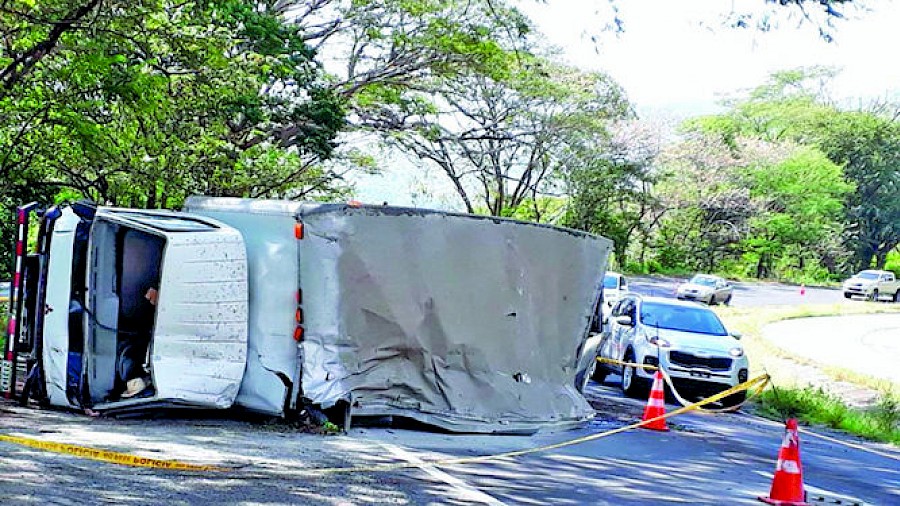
624,320
736,335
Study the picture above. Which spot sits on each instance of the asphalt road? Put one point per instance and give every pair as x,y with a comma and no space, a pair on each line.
745,294
704,459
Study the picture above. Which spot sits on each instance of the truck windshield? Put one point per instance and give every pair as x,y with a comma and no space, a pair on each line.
867,275
610,281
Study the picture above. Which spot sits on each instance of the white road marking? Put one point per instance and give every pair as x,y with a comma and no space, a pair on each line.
467,492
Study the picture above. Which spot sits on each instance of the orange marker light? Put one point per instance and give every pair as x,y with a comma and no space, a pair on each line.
298,230
299,315
298,334
354,203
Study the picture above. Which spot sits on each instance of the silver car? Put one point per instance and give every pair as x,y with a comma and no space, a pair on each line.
687,340
706,288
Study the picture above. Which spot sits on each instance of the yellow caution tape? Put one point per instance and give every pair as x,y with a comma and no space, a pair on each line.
681,400
133,460
630,364
760,381
112,457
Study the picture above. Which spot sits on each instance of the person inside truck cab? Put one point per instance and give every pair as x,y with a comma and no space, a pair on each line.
133,347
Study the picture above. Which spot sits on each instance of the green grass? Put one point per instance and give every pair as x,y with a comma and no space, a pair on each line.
815,406
792,395
766,356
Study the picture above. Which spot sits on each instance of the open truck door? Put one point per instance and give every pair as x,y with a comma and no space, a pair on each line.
140,309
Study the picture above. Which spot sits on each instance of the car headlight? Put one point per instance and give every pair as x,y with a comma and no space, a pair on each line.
658,341
736,352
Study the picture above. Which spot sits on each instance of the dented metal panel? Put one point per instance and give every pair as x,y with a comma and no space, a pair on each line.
268,231
199,346
471,324
468,323
198,349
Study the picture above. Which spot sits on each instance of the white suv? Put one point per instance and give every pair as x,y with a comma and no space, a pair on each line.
615,286
684,338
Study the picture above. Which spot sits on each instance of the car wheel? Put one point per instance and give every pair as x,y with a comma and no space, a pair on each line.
733,401
598,373
632,384
874,296
728,300
712,300
847,295
897,295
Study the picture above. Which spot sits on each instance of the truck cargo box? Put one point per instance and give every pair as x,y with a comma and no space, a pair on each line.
469,323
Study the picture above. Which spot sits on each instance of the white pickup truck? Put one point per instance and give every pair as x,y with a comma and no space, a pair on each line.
873,285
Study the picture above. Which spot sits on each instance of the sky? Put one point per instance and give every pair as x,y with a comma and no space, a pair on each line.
679,58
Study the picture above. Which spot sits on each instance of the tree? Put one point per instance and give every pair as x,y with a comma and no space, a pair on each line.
610,185
863,142
143,108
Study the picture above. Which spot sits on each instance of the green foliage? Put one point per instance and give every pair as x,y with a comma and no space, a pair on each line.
810,192
144,108
815,406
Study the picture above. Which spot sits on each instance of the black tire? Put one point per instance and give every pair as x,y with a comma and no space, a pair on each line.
874,295
733,401
847,295
712,300
599,373
632,385
897,295
728,300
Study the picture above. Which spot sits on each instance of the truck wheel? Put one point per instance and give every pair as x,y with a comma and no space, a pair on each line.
632,385
897,295
874,296
728,300
847,295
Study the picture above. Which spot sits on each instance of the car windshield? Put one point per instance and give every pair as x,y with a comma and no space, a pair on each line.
867,275
610,281
703,280
684,318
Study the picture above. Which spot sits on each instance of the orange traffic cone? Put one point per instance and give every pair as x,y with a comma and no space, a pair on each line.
787,485
656,405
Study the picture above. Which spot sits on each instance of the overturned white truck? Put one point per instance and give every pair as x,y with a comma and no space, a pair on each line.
467,323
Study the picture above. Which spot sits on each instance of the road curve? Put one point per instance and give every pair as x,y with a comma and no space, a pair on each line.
866,344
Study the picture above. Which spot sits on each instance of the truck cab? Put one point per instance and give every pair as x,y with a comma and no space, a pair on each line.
121,308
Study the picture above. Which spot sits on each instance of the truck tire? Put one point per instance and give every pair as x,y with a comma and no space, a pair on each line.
897,295
874,296
847,295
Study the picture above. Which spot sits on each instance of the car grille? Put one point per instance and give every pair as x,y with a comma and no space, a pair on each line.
688,360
